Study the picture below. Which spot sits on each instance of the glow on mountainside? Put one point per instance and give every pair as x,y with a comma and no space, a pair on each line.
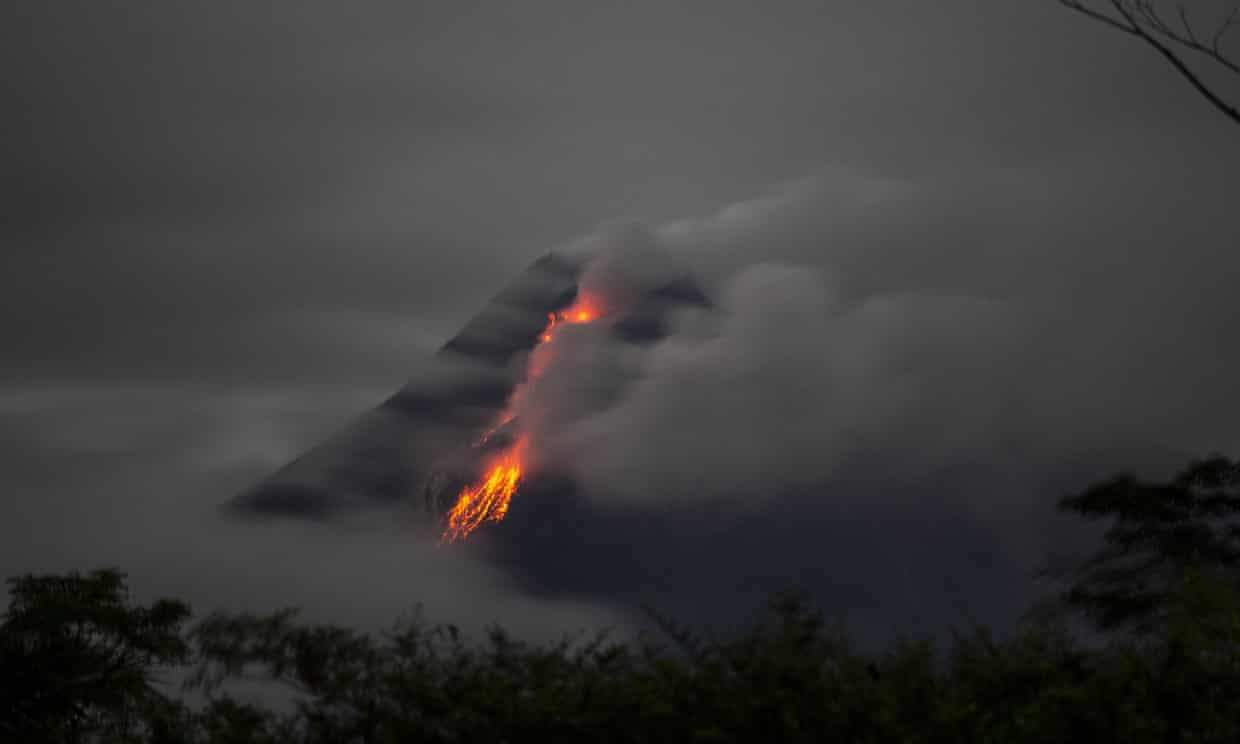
487,498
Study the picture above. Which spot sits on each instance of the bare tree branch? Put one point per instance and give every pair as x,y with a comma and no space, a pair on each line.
1217,42
1080,7
1171,39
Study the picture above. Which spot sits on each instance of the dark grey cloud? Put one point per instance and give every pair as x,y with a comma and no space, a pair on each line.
228,229
178,175
176,169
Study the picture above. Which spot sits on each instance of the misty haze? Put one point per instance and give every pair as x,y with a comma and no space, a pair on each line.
566,316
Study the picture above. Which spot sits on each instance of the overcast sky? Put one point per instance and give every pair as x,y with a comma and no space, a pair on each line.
229,227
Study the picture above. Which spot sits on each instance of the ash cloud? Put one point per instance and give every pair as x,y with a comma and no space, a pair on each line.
786,385
894,382
929,323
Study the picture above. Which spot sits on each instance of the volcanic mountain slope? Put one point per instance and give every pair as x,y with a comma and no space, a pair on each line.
417,447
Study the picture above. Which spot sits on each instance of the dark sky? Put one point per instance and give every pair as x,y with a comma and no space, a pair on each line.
1004,235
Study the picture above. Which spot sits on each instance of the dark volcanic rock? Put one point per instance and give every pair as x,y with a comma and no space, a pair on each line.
418,444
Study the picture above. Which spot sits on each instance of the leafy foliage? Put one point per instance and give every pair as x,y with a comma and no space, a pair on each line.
1160,534
79,658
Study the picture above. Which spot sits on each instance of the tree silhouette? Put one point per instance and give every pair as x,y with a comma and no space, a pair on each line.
78,662
79,659
1162,535
1201,50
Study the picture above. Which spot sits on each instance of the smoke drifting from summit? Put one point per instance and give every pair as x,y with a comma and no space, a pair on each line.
766,391
865,319
893,381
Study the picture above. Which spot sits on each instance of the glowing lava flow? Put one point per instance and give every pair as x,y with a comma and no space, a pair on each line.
487,499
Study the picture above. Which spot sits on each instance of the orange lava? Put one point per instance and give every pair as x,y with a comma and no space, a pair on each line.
581,311
487,499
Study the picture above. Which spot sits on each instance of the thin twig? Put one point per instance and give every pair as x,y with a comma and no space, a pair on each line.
1138,18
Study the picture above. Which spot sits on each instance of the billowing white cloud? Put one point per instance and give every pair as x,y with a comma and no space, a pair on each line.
989,317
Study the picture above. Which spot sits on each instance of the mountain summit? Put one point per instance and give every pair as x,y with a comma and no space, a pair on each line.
421,444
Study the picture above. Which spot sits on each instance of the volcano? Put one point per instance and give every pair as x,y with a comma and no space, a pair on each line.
421,446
